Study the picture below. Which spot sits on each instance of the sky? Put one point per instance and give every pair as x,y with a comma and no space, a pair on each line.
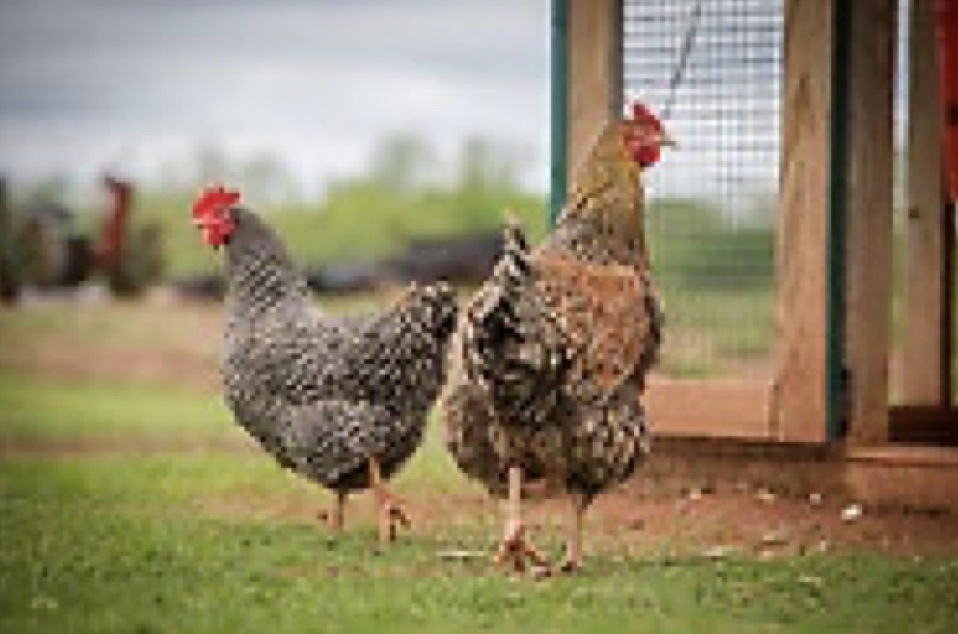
132,85
137,86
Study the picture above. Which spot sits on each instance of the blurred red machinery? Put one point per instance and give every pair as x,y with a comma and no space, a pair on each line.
40,247
947,29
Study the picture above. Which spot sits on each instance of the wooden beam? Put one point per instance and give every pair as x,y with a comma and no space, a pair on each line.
926,358
715,408
869,217
891,476
799,403
924,425
595,72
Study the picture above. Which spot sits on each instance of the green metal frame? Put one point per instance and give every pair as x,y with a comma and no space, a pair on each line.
559,107
836,372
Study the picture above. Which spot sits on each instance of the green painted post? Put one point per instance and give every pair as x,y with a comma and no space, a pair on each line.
559,109
835,368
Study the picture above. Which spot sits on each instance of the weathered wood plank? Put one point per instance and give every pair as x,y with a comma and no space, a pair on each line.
869,217
709,408
928,425
595,72
925,358
799,400
910,477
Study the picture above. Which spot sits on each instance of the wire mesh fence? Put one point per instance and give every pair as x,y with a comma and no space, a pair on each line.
713,69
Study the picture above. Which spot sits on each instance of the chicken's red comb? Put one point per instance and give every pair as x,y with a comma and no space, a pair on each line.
641,113
213,199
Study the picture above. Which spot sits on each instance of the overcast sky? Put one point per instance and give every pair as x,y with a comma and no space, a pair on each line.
132,84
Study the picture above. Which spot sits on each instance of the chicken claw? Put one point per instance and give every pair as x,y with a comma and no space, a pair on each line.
515,547
391,513
391,516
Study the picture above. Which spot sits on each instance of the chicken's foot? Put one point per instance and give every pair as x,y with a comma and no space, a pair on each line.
391,513
515,547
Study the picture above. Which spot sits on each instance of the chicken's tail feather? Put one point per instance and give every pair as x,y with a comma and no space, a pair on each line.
514,265
511,282
512,344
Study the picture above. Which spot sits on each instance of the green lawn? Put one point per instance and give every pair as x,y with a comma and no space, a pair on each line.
126,544
37,408
223,541
110,521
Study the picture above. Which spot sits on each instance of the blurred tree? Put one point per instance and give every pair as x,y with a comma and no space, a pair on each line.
52,188
485,165
11,275
401,162
263,176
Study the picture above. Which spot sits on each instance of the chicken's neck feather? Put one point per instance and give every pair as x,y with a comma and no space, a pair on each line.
603,220
260,275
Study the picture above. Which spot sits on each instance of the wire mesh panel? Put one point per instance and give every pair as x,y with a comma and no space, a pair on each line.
713,69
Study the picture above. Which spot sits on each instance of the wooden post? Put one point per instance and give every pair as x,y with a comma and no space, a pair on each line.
595,72
869,213
926,358
799,403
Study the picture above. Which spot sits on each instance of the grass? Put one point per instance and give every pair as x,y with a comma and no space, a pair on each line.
124,544
39,408
219,539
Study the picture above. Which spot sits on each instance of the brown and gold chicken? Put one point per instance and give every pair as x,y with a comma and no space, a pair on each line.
548,364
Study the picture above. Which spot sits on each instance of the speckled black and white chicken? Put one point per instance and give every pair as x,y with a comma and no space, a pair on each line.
548,365
342,401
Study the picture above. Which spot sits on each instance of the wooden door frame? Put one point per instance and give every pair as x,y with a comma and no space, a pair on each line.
832,286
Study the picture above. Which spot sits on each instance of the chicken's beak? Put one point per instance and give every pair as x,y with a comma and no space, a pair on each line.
666,141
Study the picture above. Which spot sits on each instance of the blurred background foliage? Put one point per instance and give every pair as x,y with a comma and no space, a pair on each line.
407,192
714,266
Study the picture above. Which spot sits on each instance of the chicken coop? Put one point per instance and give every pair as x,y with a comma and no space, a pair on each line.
802,232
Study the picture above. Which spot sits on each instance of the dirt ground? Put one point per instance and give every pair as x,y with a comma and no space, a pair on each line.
161,341
638,518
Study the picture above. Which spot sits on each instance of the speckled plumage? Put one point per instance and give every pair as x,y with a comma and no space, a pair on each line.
550,356
322,394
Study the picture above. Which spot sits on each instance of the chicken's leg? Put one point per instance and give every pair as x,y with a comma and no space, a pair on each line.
334,518
390,511
514,545
573,551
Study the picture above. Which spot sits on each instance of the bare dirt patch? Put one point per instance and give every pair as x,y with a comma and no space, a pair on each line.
161,341
74,447
754,521
85,362
638,521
